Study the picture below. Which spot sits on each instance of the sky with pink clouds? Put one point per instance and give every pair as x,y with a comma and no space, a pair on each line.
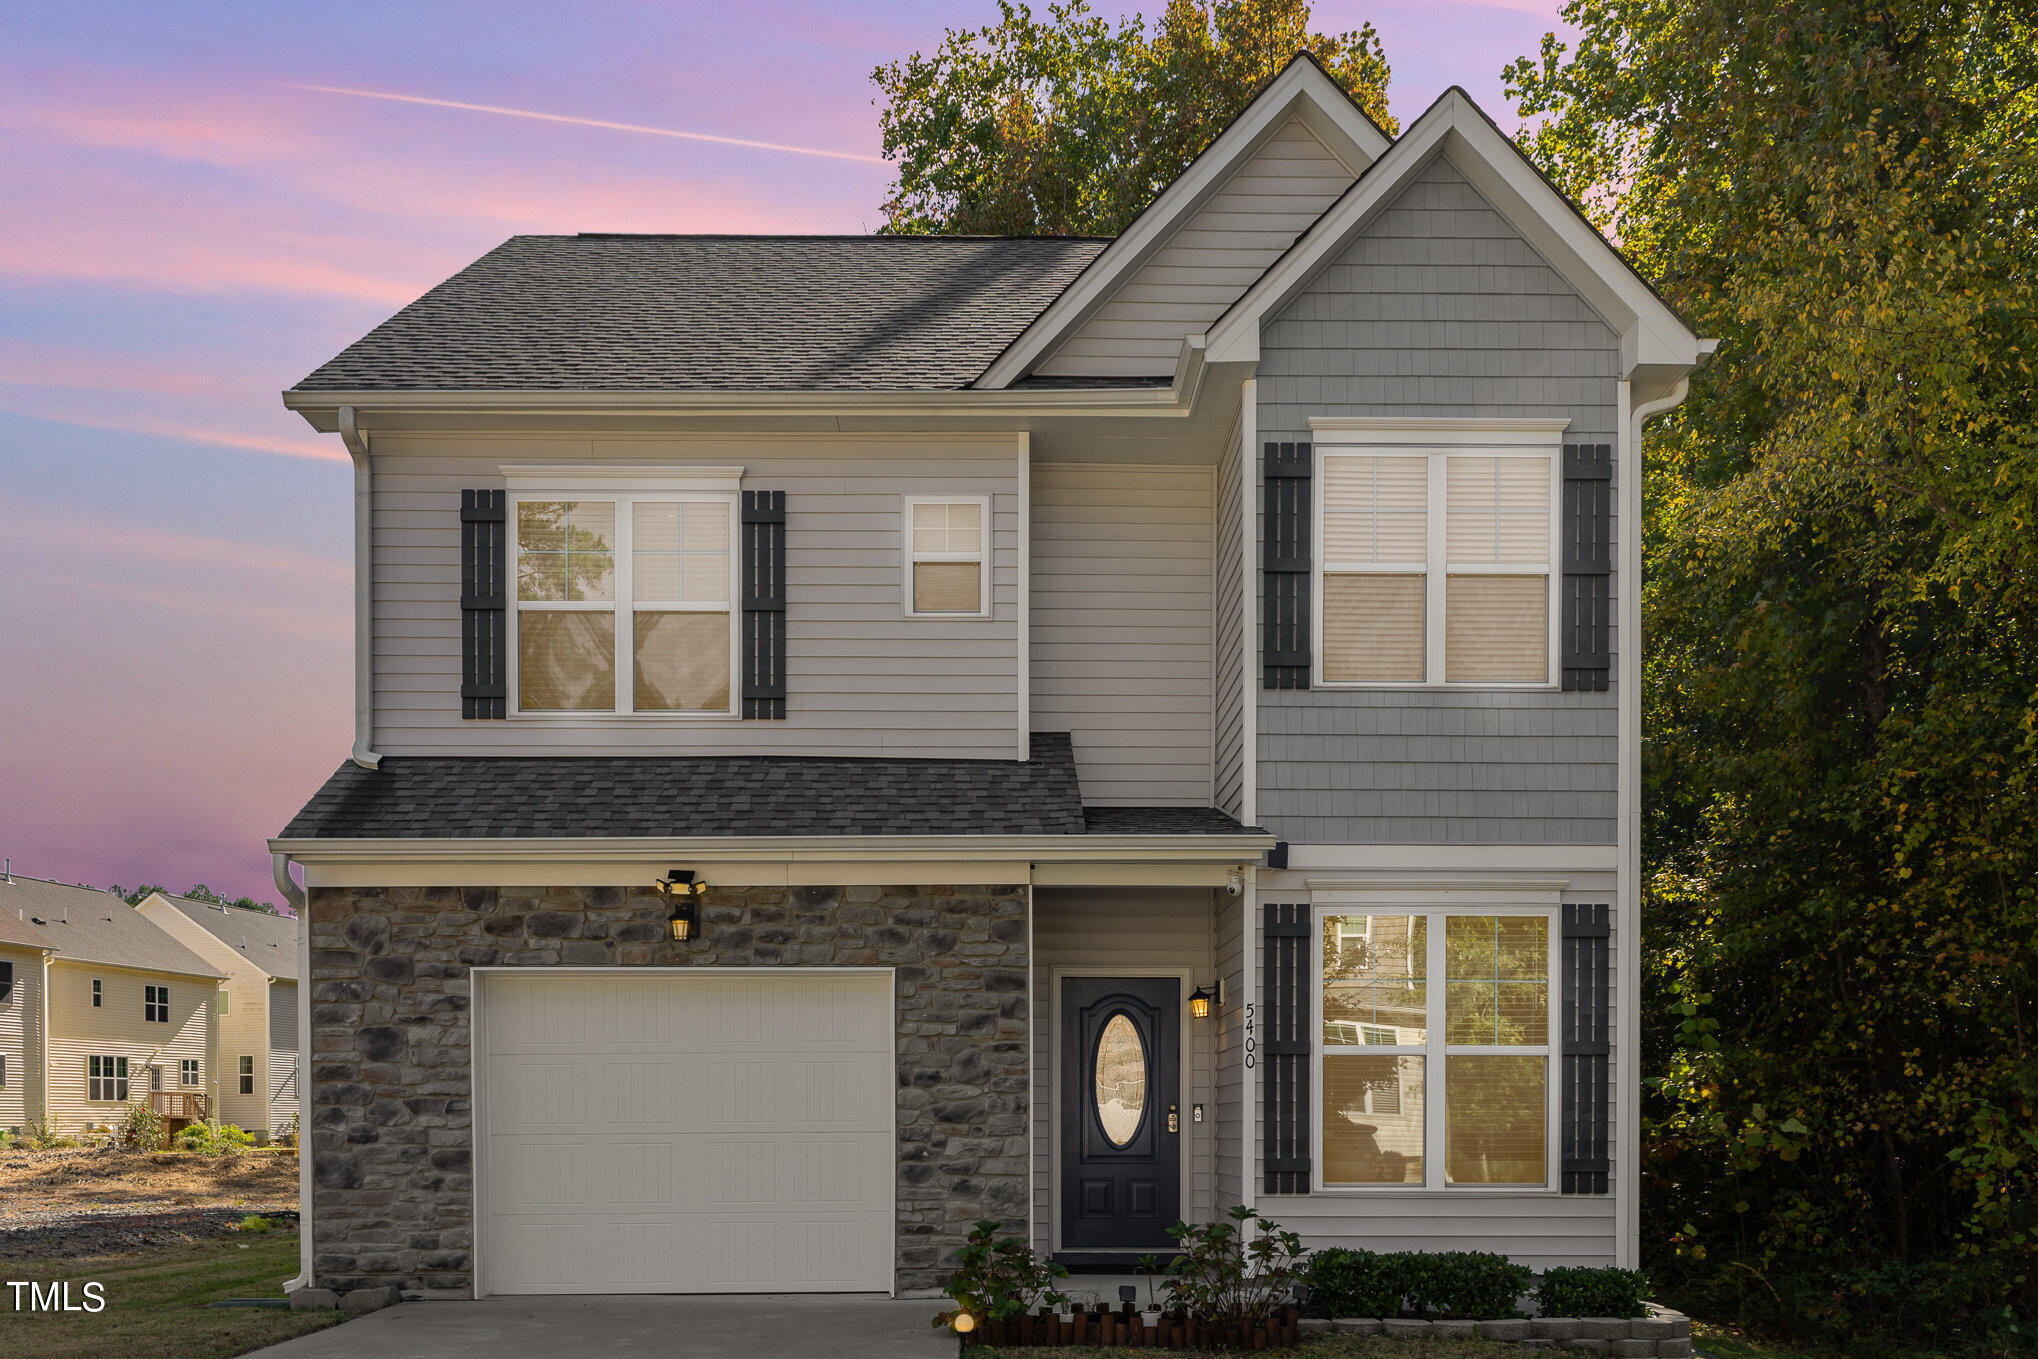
192,217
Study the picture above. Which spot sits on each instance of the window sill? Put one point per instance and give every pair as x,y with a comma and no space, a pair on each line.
1440,687
1406,1191
610,715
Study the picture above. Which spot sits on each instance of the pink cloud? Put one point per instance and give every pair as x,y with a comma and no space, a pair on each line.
165,429
32,523
295,622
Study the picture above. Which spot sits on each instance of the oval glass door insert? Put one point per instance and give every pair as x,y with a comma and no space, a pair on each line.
1121,1080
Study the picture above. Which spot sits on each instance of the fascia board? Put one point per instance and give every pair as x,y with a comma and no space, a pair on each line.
843,848
1302,90
1650,332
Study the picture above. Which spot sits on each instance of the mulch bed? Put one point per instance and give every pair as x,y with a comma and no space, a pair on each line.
82,1233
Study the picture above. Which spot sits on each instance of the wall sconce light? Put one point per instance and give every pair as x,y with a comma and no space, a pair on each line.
1203,999
686,892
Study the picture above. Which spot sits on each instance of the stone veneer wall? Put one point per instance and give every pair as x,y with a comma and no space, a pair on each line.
391,1122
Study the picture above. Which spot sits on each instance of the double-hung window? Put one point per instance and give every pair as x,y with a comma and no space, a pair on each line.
1435,556
624,602
247,1075
188,1071
106,1079
1435,1051
156,1004
948,556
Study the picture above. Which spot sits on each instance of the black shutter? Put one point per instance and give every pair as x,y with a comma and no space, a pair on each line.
484,604
1284,1006
1587,983
1587,593
1286,564
764,604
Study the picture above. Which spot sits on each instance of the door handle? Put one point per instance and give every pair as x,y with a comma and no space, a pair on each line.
1174,1118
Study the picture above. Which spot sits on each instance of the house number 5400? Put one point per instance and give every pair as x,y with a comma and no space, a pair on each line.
1252,1042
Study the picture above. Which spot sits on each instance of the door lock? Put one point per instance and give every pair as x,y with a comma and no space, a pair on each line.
1174,1118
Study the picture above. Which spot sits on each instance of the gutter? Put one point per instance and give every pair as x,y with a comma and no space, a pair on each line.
364,753
770,849
279,869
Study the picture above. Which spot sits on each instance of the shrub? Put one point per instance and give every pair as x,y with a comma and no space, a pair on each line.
996,1280
1580,1292
254,1222
288,1137
1234,1273
142,1129
213,1138
1460,1285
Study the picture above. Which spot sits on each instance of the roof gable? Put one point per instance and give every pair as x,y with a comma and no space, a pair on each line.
266,941
1302,122
1655,342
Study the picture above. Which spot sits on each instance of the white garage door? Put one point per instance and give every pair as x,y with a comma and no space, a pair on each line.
708,1131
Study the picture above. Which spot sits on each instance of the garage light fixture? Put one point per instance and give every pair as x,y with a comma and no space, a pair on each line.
686,892
1202,1000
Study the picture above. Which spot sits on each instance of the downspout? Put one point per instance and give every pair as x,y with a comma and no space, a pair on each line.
297,897
1628,882
364,753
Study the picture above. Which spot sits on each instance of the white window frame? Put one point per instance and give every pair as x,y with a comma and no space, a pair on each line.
625,488
1436,1052
1435,441
98,994
155,998
190,1071
909,558
244,1073
103,1072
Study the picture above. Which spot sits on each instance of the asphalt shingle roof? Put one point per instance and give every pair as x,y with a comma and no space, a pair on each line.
17,931
86,925
1163,821
715,313
268,941
689,796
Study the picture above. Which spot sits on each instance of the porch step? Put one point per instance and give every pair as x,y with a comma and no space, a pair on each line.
1110,1262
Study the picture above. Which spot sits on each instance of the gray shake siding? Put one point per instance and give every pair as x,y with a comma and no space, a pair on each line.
1439,308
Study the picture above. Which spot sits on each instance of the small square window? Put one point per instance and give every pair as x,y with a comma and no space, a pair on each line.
188,1071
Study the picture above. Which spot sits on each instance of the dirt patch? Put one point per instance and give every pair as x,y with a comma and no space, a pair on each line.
92,1235
38,1187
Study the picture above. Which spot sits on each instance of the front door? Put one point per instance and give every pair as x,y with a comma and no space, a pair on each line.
1121,1115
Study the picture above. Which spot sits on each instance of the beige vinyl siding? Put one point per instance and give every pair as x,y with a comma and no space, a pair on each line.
117,1029
20,1033
1122,626
244,1028
1540,1229
862,679
1228,738
1136,929
282,1054
1208,261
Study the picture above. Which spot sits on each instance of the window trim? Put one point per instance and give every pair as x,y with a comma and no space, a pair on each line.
625,492
151,1002
244,1071
116,1075
1437,1052
1435,441
190,1071
98,994
908,557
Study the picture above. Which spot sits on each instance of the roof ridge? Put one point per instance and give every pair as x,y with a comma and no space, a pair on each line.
801,236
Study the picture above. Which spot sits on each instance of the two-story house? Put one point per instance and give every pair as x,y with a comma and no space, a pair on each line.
256,951
98,1007
858,735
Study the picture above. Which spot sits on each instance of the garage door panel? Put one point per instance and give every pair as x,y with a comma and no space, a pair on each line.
690,1133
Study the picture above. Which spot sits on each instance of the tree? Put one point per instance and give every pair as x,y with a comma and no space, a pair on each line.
1841,685
1069,125
134,896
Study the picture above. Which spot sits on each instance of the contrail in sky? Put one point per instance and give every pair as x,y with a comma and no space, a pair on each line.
595,122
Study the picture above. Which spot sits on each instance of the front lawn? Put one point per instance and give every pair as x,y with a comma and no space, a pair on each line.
155,1303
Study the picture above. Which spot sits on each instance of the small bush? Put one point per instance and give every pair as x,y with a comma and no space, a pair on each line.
213,1138
1233,1274
1580,1292
254,1222
142,1129
288,1137
997,1278
1458,1285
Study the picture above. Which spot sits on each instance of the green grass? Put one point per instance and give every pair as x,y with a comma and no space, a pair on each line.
155,1303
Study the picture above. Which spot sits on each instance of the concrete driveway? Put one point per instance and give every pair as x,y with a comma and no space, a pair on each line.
837,1327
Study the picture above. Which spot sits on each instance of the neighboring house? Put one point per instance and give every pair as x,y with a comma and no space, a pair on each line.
257,950
115,1008
22,950
1017,636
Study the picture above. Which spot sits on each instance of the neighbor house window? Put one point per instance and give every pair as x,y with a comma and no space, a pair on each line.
156,1004
948,557
6,982
1435,564
106,1078
247,1075
3,1068
225,1001
98,993
624,604
1435,1048
188,1071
